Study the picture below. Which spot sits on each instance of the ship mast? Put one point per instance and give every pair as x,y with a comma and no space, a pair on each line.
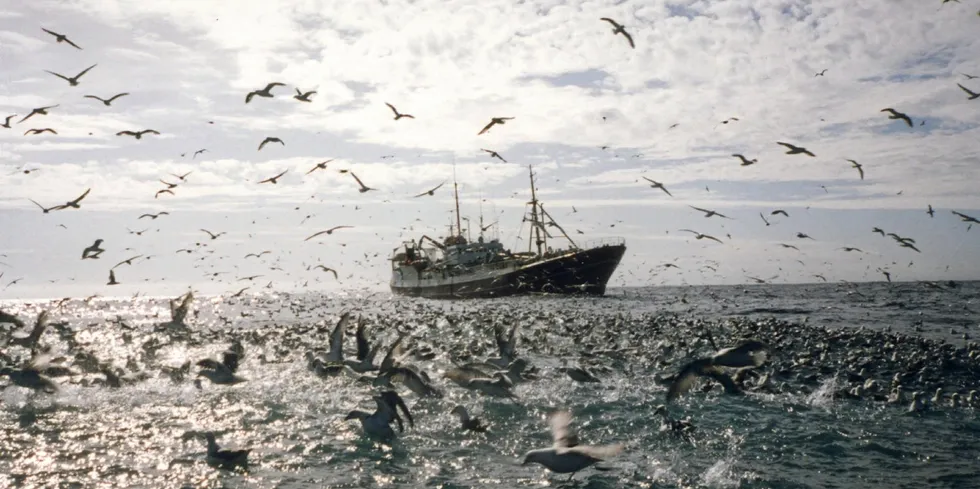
534,215
459,228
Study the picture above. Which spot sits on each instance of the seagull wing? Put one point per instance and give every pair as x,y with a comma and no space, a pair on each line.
79,199
359,182
63,77
114,97
600,452
613,22
486,127
392,107
84,71
315,235
561,432
629,38
337,339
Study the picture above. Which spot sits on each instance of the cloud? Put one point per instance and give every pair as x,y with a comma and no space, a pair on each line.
572,87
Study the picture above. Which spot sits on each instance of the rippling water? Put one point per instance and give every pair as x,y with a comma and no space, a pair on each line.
91,435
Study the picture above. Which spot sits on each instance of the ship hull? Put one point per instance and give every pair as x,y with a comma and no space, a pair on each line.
580,272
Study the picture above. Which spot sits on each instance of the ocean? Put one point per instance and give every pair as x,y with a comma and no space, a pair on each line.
814,415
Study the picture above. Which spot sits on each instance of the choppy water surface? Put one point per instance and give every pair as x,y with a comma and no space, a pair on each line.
805,427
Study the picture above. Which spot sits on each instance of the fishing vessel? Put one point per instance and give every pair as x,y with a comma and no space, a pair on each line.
455,267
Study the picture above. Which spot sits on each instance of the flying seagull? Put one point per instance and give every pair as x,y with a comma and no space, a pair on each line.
777,212
898,115
930,211
93,251
137,134
398,115
74,203
274,180
303,97
61,38
47,209
619,29
656,184
699,236
966,218
709,213
40,131
795,150
265,92
37,111
73,81
494,154
857,165
745,162
213,236
431,192
378,423
495,120
319,166
328,269
6,122
270,139
364,188
566,456
821,73
328,231
107,101
973,95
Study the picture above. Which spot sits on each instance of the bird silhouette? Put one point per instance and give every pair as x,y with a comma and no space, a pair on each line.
619,29
73,81
495,120
398,115
265,92
107,101
898,116
61,38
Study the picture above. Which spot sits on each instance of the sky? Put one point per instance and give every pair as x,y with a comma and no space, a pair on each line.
592,117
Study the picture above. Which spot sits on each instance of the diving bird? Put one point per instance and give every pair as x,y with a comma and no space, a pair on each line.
494,154
972,95
224,372
709,213
898,116
108,101
61,38
30,375
495,120
745,162
378,423
275,179
469,423
328,231
223,458
93,251
212,235
268,140
930,211
698,235
319,166
751,353
566,456
137,134
795,150
265,92
37,111
398,115
364,188
40,131
73,81
303,97
859,168
656,184
432,191
619,29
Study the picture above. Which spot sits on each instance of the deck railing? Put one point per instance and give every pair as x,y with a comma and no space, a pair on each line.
600,242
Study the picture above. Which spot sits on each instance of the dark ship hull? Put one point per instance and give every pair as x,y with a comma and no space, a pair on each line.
576,272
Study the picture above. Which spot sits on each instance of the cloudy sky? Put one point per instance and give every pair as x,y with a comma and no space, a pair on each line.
591,115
